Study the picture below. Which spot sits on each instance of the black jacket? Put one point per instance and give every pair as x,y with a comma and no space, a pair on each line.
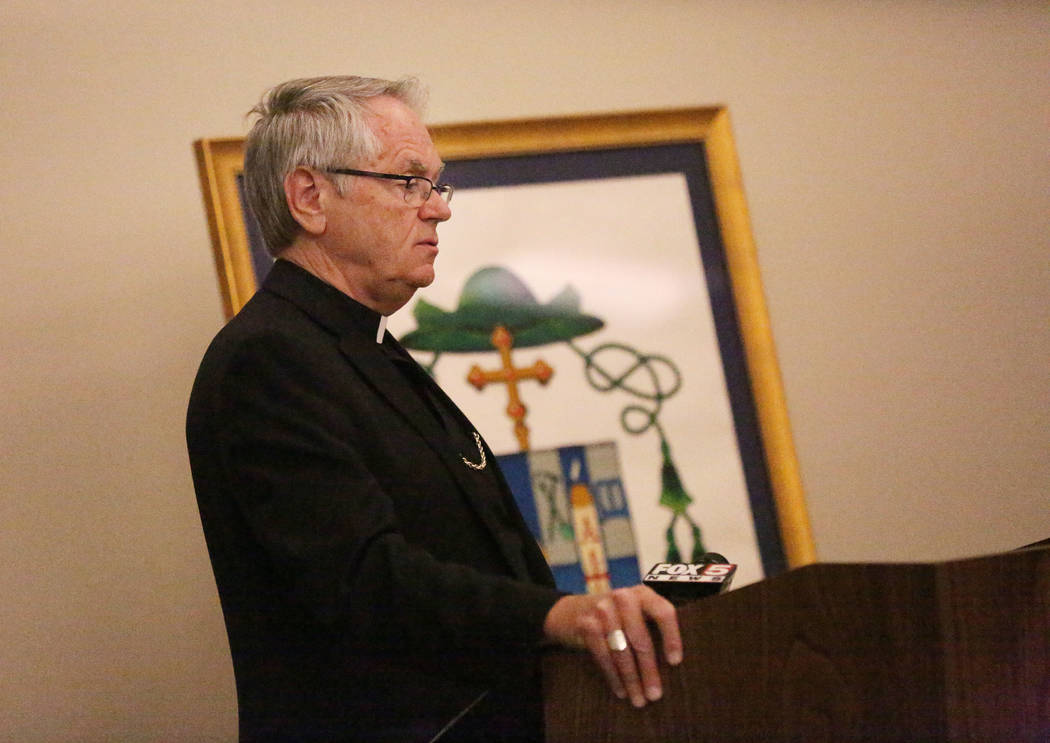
373,585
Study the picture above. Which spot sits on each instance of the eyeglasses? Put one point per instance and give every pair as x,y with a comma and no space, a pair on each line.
417,188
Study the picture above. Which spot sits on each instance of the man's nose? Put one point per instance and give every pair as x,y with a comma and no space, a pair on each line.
435,207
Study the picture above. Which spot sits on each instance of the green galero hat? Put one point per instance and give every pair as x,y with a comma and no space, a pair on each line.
494,296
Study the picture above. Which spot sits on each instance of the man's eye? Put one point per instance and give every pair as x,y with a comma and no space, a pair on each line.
413,185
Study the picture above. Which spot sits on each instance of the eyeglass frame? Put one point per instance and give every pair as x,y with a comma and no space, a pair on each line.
445,190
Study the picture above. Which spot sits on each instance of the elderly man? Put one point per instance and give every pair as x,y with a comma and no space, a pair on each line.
376,578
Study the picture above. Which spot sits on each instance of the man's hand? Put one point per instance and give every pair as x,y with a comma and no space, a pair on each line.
586,621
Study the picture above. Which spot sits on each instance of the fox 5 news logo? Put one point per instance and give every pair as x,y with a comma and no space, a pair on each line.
690,572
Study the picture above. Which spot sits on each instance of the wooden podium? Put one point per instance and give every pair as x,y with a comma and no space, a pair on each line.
955,651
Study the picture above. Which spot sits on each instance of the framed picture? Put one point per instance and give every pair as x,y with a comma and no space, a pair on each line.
598,315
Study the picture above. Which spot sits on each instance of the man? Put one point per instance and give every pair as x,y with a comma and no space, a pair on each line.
376,578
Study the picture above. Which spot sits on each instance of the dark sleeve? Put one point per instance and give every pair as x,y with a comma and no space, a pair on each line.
300,467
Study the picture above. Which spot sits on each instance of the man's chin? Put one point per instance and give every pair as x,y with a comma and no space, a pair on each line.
423,279
402,290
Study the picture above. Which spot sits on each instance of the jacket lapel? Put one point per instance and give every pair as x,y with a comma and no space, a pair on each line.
328,306
380,372
389,383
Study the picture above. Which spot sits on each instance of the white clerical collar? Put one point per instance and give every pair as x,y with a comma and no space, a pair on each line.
381,331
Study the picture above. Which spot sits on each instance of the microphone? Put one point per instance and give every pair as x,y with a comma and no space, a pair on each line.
680,582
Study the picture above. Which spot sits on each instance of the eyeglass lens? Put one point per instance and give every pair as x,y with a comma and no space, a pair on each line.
418,190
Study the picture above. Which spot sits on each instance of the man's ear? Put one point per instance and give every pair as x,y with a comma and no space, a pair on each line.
302,190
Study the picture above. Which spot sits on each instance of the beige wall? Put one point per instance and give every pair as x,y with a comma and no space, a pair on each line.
895,161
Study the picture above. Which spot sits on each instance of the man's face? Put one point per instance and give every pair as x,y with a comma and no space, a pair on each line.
384,247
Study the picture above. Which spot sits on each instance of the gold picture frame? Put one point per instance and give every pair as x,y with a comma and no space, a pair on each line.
220,162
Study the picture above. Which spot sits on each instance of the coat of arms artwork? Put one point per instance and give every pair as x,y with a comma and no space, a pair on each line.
572,497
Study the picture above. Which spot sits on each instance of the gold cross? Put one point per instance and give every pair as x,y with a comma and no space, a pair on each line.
510,375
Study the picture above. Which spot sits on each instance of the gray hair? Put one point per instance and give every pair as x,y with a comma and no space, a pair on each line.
318,122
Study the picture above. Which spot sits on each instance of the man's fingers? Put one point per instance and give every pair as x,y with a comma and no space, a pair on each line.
641,643
595,639
663,613
632,671
624,660
608,608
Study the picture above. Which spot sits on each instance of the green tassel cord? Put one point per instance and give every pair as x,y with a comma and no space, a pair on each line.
637,419
674,497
